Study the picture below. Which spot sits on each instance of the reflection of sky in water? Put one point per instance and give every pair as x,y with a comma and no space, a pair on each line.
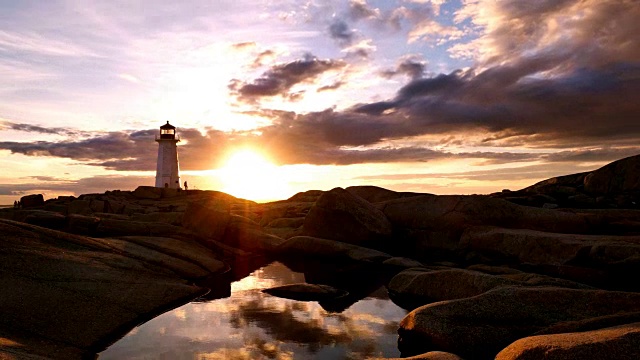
254,325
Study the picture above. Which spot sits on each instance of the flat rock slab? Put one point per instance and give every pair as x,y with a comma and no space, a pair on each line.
190,251
307,292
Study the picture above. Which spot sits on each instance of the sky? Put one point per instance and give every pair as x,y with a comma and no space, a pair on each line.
275,97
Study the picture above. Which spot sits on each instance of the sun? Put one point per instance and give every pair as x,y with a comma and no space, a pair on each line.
247,174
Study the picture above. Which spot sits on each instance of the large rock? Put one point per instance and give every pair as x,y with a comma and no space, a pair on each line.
435,223
529,246
422,286
601,260
619,176
48,219
619,342
147,192
66,294
80,224
283,210
342,216
439,212
306,292
29,201
479,327
245,234
309,246
82,207
207,219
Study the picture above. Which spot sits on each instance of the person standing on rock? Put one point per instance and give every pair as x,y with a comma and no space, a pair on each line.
186,187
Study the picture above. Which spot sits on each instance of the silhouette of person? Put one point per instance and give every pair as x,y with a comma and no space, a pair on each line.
15,204
186,187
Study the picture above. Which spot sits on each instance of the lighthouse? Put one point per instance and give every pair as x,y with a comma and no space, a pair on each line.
168,170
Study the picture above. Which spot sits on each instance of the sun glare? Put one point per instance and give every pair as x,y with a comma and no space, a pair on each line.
249,175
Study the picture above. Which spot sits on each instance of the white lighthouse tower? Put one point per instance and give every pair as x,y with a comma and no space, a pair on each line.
168,170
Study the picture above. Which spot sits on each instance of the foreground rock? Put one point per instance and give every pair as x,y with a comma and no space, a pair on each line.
306,292
70,294
479,327
619,342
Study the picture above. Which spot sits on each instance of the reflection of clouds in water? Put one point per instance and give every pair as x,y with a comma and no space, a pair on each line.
252,324
275,274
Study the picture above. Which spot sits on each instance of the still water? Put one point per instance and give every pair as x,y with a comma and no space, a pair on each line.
253,325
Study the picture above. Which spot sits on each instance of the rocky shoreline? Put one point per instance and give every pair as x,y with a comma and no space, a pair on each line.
542,272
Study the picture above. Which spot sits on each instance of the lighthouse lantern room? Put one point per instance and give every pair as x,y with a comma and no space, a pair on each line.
168,169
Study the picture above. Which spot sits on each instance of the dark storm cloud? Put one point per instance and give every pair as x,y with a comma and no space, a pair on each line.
340,31
280,78
589,105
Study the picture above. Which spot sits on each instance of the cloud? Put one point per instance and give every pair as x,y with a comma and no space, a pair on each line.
132,151
262,57
544,79
336,85
36,43
589,105
412,66
340,31
282,77
9,125
590,32
244,45
433,31
360,50
129,78
32,128
359,9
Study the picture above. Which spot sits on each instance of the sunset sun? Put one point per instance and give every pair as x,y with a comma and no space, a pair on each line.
249,175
